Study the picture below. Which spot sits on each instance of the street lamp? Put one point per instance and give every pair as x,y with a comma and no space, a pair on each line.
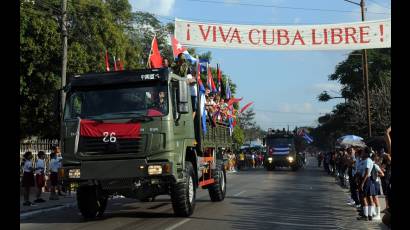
365,72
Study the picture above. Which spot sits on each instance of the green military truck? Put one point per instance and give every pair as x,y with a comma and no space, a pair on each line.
281,150
132,133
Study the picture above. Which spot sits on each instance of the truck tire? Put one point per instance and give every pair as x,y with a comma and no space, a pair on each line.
183,193
87,201
102,205
217,191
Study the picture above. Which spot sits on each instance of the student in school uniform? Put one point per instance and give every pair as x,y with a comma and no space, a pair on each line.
54,166
28,177
40,175
367,186
376,174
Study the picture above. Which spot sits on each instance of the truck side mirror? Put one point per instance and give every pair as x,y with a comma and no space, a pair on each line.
183,97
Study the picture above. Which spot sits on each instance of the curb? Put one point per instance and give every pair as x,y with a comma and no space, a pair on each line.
25,215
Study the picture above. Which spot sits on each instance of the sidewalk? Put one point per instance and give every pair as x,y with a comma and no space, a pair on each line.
49,205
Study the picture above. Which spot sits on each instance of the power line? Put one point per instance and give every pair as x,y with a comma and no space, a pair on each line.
276,111
379,4
283,7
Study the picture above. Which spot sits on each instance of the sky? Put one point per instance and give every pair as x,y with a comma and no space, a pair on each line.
283,85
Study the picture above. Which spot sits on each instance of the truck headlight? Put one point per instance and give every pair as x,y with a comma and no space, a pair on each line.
74,173
154,170
270,159
290,159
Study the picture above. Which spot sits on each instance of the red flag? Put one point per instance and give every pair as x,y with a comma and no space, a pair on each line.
115,64
155,58
219,79
245,107
234,100
210,81
177,48
107,63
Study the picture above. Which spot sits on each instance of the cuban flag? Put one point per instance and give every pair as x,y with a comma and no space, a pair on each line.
177,48
203,65
304,135
202,99
281,150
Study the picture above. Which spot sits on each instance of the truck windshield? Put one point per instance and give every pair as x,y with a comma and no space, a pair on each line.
127,102
279,141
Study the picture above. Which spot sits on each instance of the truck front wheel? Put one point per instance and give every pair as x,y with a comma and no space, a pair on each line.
217,191
183,193
89,203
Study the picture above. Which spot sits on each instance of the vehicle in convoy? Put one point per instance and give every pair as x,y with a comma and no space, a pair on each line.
281,150
131,133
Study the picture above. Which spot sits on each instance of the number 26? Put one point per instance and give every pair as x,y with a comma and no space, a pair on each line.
109,137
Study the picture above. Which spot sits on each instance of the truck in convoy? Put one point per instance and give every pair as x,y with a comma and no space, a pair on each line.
281,150
132,133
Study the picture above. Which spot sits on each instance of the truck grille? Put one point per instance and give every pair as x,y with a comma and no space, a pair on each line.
96,146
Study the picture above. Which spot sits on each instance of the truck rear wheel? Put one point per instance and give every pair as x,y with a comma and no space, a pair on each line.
217,191
183,193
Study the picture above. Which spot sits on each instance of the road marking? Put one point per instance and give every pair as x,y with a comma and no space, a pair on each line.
178,224
239,193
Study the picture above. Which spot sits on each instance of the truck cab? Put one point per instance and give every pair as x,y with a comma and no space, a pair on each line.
281,150
132,133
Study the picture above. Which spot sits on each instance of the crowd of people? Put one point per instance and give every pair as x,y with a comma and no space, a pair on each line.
216,104
245,158
365,173
42,175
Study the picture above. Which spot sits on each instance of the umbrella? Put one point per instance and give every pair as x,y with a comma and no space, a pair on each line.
351,140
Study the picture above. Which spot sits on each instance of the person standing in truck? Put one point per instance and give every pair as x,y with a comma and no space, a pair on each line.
194,91
181,68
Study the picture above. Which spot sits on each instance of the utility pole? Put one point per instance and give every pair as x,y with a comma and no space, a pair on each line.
365,73
64,60
366,78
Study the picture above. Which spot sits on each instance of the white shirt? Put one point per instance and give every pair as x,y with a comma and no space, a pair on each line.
40,166
367,164
194,90
54,165
28,166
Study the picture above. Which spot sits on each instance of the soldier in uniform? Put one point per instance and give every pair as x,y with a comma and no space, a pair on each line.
181,68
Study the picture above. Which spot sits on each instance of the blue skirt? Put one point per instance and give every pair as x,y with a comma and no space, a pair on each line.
369,188
377,188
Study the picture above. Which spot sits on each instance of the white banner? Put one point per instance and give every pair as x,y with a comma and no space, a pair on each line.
350,36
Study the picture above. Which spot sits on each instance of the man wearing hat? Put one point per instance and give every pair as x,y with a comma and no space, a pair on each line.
181,68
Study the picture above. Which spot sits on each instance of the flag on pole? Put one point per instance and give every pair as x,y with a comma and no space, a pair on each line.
120,65
218,70
202,110
155,59
107,63
228,90
210,81
177,48
245,107
198,79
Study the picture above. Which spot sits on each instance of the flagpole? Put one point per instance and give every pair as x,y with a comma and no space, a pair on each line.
198,112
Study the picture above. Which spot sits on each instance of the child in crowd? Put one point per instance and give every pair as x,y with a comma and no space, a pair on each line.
367,186
54,166
376,173
40,175
28,177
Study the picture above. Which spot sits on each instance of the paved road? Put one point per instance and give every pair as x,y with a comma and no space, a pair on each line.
256,199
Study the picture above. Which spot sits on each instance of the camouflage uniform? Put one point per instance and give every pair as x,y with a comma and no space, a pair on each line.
181,70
